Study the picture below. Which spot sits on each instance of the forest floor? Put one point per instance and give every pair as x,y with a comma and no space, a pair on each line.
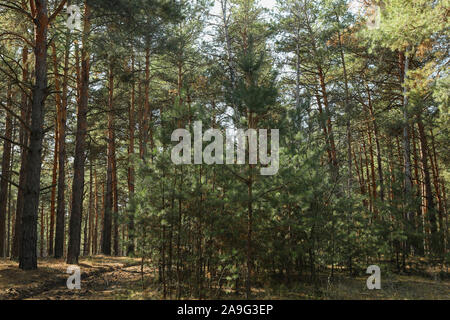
107,278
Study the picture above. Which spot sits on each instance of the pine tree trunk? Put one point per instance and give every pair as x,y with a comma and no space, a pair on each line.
417,182
429,202
377,144
325,131
116,247
24,140
131,133
28,257
436,181
88,240
329,123
95,236
5,175
348,116
42,225
369,187
10,207
230,60
404,67
62,119
146,111
109,198
116,205
372,168
55,157
140,117
73,252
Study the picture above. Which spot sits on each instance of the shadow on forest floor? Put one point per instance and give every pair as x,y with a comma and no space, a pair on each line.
111,278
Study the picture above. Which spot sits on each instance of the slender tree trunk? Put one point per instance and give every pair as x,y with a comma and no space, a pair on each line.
91,210
363,180
348,116
80,150
86,223
62,118
230,60
404,67
140,116
360,175
325,131
250,182
107,222
437,182
334,166
41,253
372,167
249,239
146,111
55,157
6,174
369,187
417,182
103,211
24,140
53,195
423,206
95,235
131,133
429,199
116,205
377,144
114,171
10,202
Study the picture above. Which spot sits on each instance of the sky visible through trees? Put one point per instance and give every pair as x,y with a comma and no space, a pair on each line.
102,154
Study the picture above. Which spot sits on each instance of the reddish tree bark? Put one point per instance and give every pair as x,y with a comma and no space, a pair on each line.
6,174
429,201
55,156
28,256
